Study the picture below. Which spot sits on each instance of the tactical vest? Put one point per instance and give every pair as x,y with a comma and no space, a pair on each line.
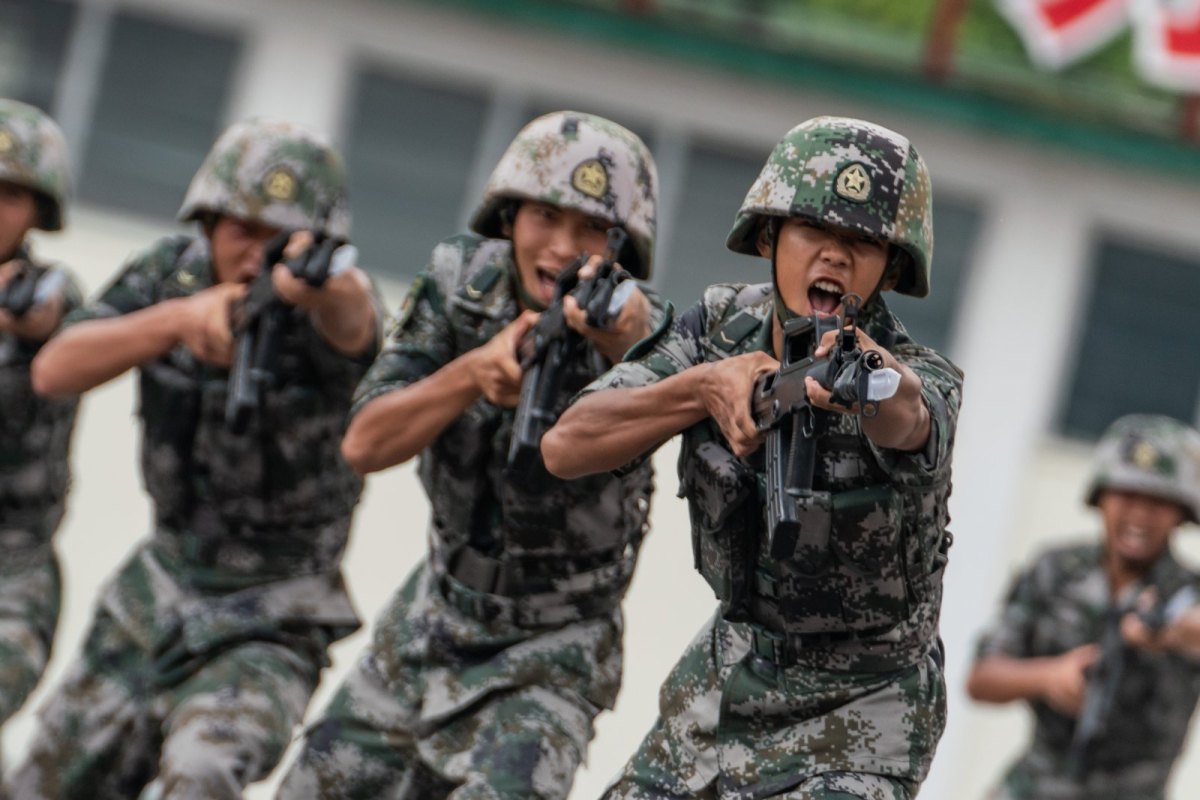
870,552
35,442
578,539
279,488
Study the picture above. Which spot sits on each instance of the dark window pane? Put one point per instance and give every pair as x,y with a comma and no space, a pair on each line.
928,319
715,182
1138,354
161,103
33,42
410,151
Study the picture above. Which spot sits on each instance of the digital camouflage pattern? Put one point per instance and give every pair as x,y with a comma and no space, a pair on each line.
33,154
1058,603
35,473
493,691
738,714
850,173
583,162
240,580
276,173
1151,454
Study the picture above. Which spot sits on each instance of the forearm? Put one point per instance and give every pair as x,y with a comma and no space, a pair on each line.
345,316
396,426
94,352
608,429
903,421
1002,679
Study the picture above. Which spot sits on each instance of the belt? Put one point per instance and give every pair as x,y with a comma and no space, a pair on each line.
530,611
517,576
786,649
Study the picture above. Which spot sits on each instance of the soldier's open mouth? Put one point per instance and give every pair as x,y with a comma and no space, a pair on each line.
546,280
824,296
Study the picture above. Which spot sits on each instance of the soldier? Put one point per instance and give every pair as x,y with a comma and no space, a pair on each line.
35,433
493,659
209,641
821,674
1043,648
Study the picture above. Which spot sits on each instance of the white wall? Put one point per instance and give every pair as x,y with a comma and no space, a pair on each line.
1016,487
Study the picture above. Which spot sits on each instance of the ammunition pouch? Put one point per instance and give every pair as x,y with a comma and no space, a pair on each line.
726,519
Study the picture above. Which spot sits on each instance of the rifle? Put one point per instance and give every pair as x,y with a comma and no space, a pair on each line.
260,315
27,289
781,409
551,345
1104,680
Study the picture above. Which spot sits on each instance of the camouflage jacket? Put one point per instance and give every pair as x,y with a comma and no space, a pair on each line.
233,510
1060,603
875,605
35,436
572,544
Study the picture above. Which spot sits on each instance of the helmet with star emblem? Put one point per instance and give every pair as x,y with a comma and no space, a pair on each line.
274,173
33,154
853,174
1149,454
583,162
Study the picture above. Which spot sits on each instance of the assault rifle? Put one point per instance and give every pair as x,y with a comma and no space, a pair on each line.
259,318
1104,679
780,408
26,289
551,345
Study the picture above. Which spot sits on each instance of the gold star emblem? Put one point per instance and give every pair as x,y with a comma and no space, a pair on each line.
1144,455
591,178
853,183
279,184
7,142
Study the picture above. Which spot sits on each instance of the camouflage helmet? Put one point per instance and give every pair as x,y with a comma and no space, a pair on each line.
275,173
33,154
850,173
580,161
1152,455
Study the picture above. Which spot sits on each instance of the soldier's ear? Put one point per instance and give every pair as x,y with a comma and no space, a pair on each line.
765,238
508,216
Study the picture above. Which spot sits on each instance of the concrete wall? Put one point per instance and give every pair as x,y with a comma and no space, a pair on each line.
1017,487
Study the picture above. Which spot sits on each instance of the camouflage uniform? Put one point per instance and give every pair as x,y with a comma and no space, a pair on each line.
490,664
1062,601
35,433
821,675
209,640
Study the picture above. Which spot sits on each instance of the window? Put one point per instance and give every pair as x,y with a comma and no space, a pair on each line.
409,153
929,319
1138,350
33,43
715,182
161,103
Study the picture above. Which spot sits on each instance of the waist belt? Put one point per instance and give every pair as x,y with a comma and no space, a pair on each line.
521,576
786,649
530,611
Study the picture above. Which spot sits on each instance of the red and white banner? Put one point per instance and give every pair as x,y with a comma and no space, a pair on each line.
1167,43
1058,33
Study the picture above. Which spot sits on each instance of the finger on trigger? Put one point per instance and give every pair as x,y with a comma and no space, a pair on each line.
297,243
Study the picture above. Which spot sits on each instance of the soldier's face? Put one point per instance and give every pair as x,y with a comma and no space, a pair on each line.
547,238
1137,527
18,213
237,248
815,264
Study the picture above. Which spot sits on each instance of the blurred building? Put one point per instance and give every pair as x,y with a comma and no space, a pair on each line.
1066,270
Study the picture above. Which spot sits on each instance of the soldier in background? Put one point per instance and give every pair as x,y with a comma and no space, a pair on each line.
821,674
1043,648
493,659
35,433
209,641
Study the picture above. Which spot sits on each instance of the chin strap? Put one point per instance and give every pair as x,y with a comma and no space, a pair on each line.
526,299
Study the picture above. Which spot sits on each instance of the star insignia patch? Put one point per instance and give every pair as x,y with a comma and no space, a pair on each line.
853,183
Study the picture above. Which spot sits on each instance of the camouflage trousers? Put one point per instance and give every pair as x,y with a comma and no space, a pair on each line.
444,705
205,730
731,725
30,592
1038,775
